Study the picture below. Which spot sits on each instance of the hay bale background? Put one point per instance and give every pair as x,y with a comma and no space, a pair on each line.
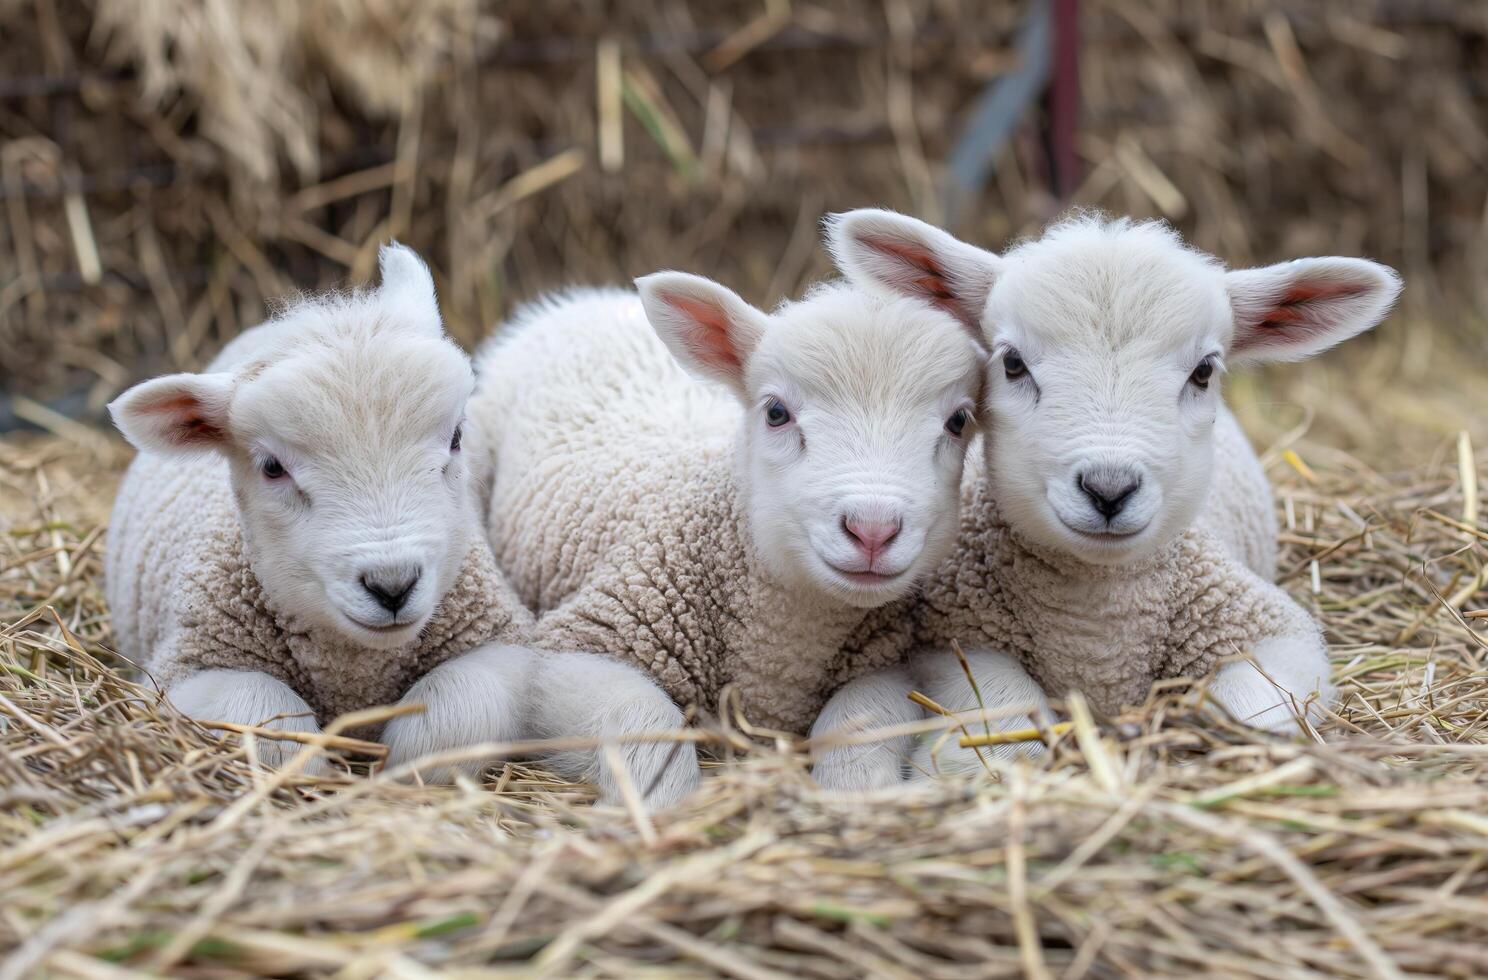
165,171
171,166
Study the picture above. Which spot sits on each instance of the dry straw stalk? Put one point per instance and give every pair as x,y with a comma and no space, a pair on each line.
1166,841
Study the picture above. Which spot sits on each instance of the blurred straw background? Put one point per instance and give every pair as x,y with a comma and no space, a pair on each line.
168,168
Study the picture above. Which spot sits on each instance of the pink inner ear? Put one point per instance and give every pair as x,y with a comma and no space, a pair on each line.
1293,307
187,421
931,283
1295,314
711,342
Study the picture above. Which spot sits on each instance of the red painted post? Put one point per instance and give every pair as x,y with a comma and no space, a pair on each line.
1064,98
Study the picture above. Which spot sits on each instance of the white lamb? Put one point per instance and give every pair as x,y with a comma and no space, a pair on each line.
727,532
297,539
1088,557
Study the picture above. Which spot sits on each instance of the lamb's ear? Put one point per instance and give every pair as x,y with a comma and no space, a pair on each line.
1293,310
179,413
908,256
707,327
408,288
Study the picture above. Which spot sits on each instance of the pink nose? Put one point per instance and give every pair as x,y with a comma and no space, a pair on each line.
870,536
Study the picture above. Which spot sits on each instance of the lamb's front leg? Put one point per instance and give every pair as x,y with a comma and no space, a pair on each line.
477,697
1005,689
1285,679
250,697
873,701
589,695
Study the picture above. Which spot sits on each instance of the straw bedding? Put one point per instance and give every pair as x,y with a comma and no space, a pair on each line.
150,211
1164,841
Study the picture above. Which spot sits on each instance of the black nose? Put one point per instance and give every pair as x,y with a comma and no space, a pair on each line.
1108,489
391,588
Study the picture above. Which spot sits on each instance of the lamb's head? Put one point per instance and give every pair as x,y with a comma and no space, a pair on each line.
342,434
857,412
1108,343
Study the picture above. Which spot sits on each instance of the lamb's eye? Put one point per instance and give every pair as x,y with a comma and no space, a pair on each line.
776,414
1013,366
956,424
1201,374
455,440
273,469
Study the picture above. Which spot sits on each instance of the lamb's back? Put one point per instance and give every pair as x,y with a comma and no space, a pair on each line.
585,421
1240,511
584,369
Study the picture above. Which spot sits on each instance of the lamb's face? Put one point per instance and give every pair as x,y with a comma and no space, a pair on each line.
1107,354
858,411
351,484
1108,342
859,414
342,436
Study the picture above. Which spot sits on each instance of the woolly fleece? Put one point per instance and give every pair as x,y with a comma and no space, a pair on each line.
185,599
615,513
1240,510
1109,632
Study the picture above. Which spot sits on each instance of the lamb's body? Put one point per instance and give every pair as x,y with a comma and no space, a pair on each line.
185,599
615,511
681,596
1108,632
